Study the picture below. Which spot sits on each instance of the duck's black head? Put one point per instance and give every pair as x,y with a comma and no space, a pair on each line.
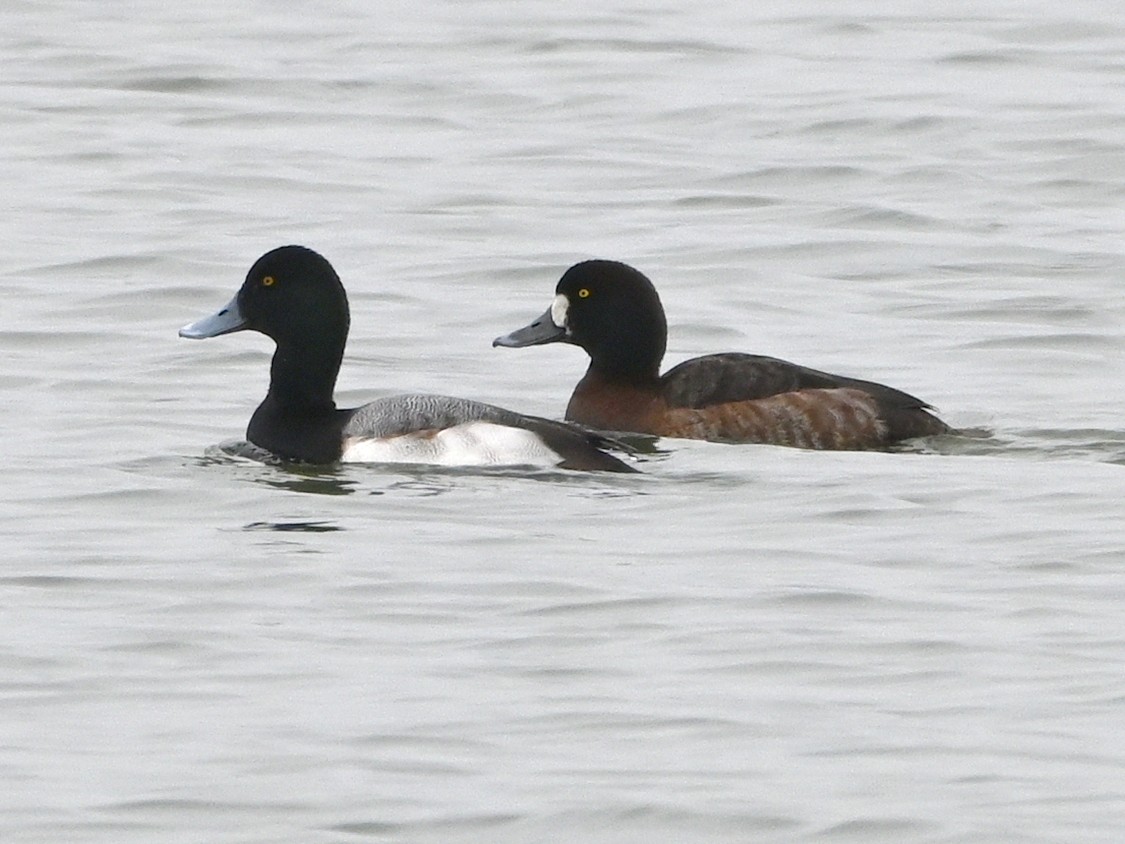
609,309
293,295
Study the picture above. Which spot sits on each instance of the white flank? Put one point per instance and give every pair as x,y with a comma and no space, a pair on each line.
558,311
471,444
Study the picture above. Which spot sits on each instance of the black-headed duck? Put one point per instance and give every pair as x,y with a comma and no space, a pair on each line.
293,296
613,312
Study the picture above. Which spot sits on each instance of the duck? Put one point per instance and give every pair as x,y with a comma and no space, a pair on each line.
613,312
294,296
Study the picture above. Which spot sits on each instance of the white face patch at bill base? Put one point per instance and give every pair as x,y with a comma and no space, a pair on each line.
558,311
471,444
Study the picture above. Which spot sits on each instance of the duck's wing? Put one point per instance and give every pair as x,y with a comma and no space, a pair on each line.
734,377
402,415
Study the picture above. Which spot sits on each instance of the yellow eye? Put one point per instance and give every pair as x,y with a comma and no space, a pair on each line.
268,281
583,292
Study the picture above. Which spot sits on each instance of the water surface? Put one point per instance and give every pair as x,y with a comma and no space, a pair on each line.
741,644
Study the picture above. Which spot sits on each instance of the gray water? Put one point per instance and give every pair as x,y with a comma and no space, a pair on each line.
743,643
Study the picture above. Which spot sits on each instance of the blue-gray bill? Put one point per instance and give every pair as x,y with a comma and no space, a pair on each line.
228,319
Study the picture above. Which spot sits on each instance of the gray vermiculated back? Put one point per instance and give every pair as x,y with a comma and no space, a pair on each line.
394,415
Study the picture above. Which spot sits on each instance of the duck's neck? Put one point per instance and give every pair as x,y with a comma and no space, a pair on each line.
616,368
614,404
303,376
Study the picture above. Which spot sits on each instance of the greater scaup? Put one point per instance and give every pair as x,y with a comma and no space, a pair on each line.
613,312
293,296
